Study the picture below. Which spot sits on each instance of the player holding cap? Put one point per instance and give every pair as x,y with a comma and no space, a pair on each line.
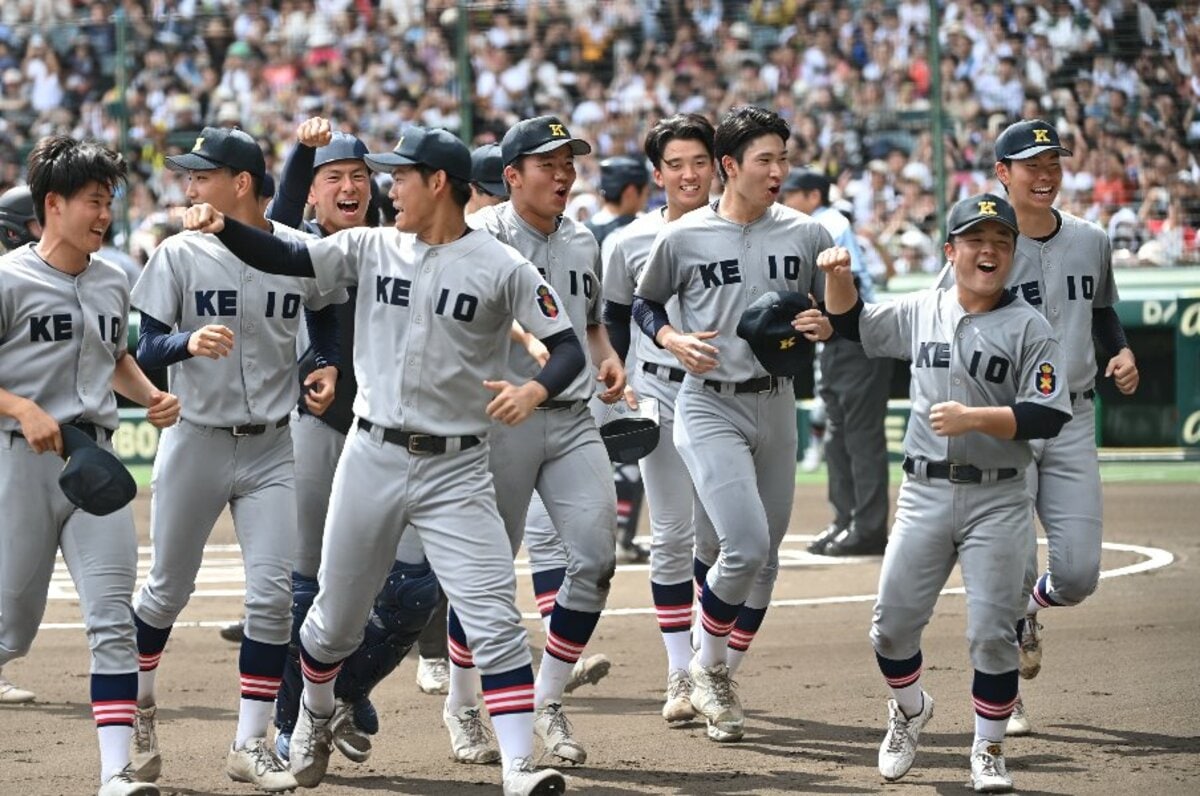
18,223
429,342
63,315
987,377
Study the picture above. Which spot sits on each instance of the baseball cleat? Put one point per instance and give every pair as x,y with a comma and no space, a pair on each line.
145,758
851,542
13,695
678,705
312,743
817,545
523,779
1031,648
814,454
124,783
552,726
899,747
988,772
588,671
470,739
257,764
433,675
632,553
1019,723
714,696
234,632
347,737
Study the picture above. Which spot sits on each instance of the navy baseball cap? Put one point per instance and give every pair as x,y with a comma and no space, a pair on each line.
805,180
437,149
1027,139
618,172
487,169
978,209
222,147
767,326
342,146
93,478
538,135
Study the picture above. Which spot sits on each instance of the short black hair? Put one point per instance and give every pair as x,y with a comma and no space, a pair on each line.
680,127
742,125
460,190
62,165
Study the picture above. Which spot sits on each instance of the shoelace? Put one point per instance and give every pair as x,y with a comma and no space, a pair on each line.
473,726
679,688
523,765
988,767
320,729
143,731
559,724
265,760
897,734
1031,638
440,670
722,688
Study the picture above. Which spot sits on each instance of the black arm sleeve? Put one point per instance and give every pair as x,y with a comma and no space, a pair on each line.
616,320
294,182
565,363
1035,421
846,324
650,317
265,252
1107,330
157,347
324,336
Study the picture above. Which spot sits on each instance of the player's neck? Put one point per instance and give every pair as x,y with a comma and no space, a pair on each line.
249,215
736,209
1036,222
977,303
444,227
675,211
544,225
62,255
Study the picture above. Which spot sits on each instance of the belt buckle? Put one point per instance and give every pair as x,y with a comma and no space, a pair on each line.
771,385
414,444
954,476
238,431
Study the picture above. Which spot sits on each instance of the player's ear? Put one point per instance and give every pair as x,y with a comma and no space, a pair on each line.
1002,172
948,250
512,175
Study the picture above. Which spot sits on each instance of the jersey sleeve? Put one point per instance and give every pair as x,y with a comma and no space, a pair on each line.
659,280
886,328
1106,283
335,259
158,291
945,279
618,281
595,305
820,241
533,303
1043,377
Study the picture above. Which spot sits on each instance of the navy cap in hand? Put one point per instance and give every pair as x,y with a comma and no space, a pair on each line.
487,169
222,147
1027,139
537,136
93,478
978,209
767,326
436,149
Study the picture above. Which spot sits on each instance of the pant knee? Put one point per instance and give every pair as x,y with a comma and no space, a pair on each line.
994,652
896,633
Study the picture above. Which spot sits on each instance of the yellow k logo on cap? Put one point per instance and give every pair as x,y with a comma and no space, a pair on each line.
558,130
199,143
987,208
1041,136
786,343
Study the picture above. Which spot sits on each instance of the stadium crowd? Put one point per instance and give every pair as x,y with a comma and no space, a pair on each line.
1119,78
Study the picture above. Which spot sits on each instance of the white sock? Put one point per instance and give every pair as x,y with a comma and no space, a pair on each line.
990,730
145,696
909,698
694,637
679,650
551,679
546,625
712,648
733,659
514,736
253,717
318,698
114,749
1032,607
464,687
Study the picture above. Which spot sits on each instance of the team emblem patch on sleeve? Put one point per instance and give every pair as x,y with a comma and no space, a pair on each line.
546,302
1047,379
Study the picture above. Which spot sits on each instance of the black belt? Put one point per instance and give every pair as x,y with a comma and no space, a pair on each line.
958,473
1086,395
559,405
98,433
761,384
420,444
664,371
254,429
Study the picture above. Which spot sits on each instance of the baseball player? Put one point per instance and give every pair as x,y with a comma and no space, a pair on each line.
987,377
1063,269
229,336
18,223
854,391
559,452
734,424
681,149
62,355
429,346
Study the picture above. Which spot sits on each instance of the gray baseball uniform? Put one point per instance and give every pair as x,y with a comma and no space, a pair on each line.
232,446
1065,278
734,426
558,451
60,339
996,358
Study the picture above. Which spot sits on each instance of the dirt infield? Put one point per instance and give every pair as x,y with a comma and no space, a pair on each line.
1116,708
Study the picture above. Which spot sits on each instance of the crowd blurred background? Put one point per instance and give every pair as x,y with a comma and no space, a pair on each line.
1120,79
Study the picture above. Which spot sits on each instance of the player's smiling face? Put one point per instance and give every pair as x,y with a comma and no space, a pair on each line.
541,186
217,187
982,259
83,218
341,192
1033,183
685,173
758,178
412,198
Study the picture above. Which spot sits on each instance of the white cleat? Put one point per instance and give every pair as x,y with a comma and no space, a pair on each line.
552,726
714,696
814,454
257,763
523,779
678,705
124,783
312,743
588,671
1031,648
1019,723
144,756
470,739
13,695
899,747
433,675
988,773
347,737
